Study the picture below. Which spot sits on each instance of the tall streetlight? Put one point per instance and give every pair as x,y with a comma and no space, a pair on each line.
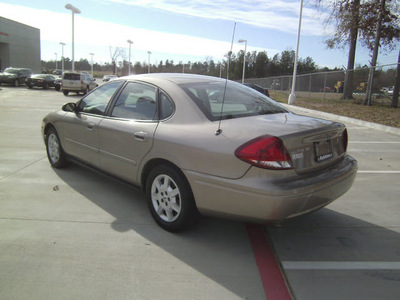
56,61
292,96
62,56
148,67
74,11
244,57
91,54
129,67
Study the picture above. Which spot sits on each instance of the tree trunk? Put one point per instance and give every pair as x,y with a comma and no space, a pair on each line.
348,81
395,100
375,54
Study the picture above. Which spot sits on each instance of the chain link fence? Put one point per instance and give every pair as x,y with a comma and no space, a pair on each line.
329,85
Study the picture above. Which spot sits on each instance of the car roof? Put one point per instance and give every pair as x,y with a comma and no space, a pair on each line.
177,78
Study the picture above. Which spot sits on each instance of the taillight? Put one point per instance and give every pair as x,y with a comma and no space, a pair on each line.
265,152
82,83
345,140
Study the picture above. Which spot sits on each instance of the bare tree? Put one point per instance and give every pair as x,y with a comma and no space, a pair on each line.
355,20
396,89
118,52
345,14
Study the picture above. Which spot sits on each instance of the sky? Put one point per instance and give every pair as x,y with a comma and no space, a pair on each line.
180,30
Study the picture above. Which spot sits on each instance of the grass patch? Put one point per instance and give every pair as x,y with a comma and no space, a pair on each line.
379,112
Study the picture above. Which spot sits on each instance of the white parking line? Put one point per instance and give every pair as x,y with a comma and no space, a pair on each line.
361,142
341,265
378,172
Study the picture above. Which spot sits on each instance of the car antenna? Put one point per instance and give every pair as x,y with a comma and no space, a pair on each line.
219,130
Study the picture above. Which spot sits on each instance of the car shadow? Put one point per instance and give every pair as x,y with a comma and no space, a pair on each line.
219,249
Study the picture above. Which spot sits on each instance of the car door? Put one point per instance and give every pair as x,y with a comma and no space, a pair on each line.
80,136
126,136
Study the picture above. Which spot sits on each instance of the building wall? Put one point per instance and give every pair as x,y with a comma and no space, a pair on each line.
19,45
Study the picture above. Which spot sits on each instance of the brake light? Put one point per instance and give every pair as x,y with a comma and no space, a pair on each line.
266,152
81,83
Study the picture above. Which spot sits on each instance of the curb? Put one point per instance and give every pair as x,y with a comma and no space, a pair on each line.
343,119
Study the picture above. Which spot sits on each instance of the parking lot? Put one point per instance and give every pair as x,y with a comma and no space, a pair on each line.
77,234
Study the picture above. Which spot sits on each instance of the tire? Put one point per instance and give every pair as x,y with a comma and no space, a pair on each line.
170,199
86,91
65,93
30,86
57,88
45,86
55,153
16,83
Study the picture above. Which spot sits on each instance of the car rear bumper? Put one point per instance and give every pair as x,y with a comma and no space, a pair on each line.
268,198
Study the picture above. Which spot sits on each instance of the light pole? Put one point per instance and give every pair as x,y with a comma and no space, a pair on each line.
148,67
292,96
129,67
91,54
62,57
56,61
244,57
74,11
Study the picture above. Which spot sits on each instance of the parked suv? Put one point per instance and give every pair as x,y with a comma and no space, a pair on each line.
15,76
77,82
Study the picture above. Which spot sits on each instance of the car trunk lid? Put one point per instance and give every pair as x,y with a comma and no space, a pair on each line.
312,143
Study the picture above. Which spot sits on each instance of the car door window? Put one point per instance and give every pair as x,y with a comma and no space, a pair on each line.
97,101
137,101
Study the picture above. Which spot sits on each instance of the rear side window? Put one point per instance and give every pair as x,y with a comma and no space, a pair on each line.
235,101
70,76
167,106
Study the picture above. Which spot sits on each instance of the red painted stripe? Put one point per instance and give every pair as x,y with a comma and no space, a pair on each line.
271,276
3,33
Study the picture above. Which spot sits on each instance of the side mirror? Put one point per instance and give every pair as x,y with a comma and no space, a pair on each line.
69,107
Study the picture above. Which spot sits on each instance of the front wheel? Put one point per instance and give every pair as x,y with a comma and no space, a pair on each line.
170,199
55,154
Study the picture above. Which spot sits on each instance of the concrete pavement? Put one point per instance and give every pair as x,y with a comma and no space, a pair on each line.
76,234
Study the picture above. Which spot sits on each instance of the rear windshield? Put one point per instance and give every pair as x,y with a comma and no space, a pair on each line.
69,76
234,102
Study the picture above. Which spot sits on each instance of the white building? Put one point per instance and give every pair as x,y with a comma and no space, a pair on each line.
19,46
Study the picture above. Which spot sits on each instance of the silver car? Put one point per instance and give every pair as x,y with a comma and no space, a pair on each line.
77,83
198,144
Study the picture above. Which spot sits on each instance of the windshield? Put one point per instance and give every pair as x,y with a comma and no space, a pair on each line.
240,101
39,76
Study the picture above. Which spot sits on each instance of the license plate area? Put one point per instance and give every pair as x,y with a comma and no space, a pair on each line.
323,150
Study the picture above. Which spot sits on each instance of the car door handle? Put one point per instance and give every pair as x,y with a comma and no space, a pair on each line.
90,126
141,135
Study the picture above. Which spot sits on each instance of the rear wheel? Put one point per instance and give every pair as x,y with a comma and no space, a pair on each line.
65,93
55,154
86,91
170,199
